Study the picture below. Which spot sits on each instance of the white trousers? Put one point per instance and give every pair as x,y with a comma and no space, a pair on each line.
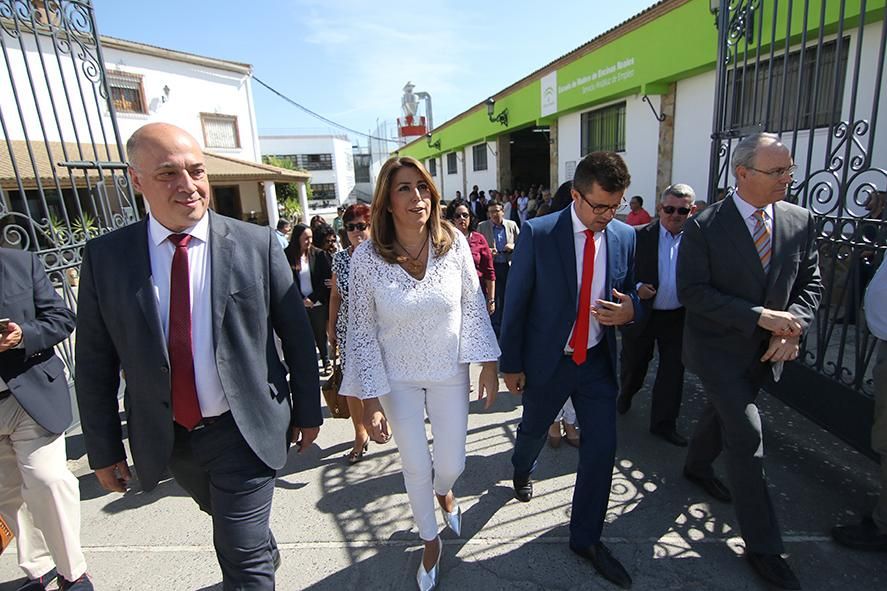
39,497
447,406
567,413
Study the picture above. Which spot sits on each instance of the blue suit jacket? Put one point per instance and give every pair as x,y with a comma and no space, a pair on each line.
541,298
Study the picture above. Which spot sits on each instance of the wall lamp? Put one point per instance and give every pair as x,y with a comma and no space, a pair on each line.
435,145
501,117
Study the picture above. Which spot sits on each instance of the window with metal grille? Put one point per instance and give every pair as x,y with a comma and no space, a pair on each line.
804,92
323,191
127,92
604,130
432,167
220,131
451,163
479,153
316,161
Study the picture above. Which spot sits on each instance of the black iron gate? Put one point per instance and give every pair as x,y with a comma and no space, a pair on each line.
814,73
62,175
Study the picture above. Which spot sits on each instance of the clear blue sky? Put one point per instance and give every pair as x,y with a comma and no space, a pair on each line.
349,59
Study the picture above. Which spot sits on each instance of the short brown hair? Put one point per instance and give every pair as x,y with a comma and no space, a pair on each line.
382,222
356,211
607,169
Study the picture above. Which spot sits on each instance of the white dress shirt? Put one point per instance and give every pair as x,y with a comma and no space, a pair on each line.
876,303
666,297
747,211
598,281
209,387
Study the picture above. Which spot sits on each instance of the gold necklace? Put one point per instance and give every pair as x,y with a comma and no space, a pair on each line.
412,263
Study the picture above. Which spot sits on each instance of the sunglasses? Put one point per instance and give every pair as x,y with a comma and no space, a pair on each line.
670,209
358,227
462,216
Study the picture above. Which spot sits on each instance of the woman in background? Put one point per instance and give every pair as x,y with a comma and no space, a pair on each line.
312,273
459,214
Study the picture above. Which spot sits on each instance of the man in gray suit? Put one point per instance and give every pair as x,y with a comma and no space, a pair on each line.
749,279
501,235
185,303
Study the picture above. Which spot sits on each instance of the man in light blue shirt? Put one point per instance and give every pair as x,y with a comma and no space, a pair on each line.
284,227
656,258
871,534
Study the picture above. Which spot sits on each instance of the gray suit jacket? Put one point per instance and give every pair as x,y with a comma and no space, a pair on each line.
512,231
33,372
118,327
722,285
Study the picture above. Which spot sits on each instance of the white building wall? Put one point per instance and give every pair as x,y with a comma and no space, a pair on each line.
484,179
641,147
194,89
694,109
342,173
453,182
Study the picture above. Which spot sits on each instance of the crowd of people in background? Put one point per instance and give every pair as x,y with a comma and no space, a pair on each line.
404,295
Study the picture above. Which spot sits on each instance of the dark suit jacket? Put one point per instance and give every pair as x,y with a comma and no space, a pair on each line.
646,270
118,327
33,373
724,289
542,293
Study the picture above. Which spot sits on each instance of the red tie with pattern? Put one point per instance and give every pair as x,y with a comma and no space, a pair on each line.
185,406
579,341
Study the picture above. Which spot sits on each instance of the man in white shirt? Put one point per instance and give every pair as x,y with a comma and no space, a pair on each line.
282,233
184,304
871,534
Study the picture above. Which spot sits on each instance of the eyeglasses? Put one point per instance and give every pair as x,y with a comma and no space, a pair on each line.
777,173
600,209
462,216
358,227
670,209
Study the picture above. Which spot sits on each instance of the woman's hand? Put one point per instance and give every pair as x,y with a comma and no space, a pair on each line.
491,307
488,383
375,422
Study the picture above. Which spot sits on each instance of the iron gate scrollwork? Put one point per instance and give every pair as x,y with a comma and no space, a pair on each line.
63,179
813,72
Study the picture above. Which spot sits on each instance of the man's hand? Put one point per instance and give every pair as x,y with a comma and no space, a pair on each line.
488,384
508,248
11,338
114,478
515,382
646,291
613,314
779,323
308,435
782,349
308,303
375,422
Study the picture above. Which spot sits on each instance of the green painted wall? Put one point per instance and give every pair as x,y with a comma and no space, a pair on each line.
678,44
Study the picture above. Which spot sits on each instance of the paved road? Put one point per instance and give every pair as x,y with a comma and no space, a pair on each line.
349,527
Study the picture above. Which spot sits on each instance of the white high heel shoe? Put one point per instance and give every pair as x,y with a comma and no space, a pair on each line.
453,520
427,580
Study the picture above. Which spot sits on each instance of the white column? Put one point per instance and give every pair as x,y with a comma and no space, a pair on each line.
303,201
271,203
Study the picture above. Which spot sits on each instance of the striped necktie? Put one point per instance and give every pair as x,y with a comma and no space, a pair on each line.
761,236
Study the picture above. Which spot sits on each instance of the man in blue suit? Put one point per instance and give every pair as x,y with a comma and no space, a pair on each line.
571,283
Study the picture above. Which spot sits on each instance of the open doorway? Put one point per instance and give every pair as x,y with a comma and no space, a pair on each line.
530,158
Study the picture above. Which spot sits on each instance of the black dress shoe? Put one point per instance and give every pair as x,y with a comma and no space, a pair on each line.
774,569
41,583
671,435
623,404
523,489
605,564
712,486
864,536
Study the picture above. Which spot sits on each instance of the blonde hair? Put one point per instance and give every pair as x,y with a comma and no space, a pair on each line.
382,224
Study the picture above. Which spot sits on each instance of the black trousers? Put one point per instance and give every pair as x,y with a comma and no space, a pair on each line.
501,270
731,423
318,316
665,329
219,470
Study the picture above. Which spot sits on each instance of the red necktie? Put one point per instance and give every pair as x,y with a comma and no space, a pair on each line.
185,406
579,341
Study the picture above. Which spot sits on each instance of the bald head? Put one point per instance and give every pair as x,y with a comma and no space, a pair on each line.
157,135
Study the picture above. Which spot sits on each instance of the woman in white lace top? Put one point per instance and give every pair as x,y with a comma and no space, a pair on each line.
416,319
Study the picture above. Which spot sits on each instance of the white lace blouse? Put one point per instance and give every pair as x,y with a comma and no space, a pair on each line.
404,329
